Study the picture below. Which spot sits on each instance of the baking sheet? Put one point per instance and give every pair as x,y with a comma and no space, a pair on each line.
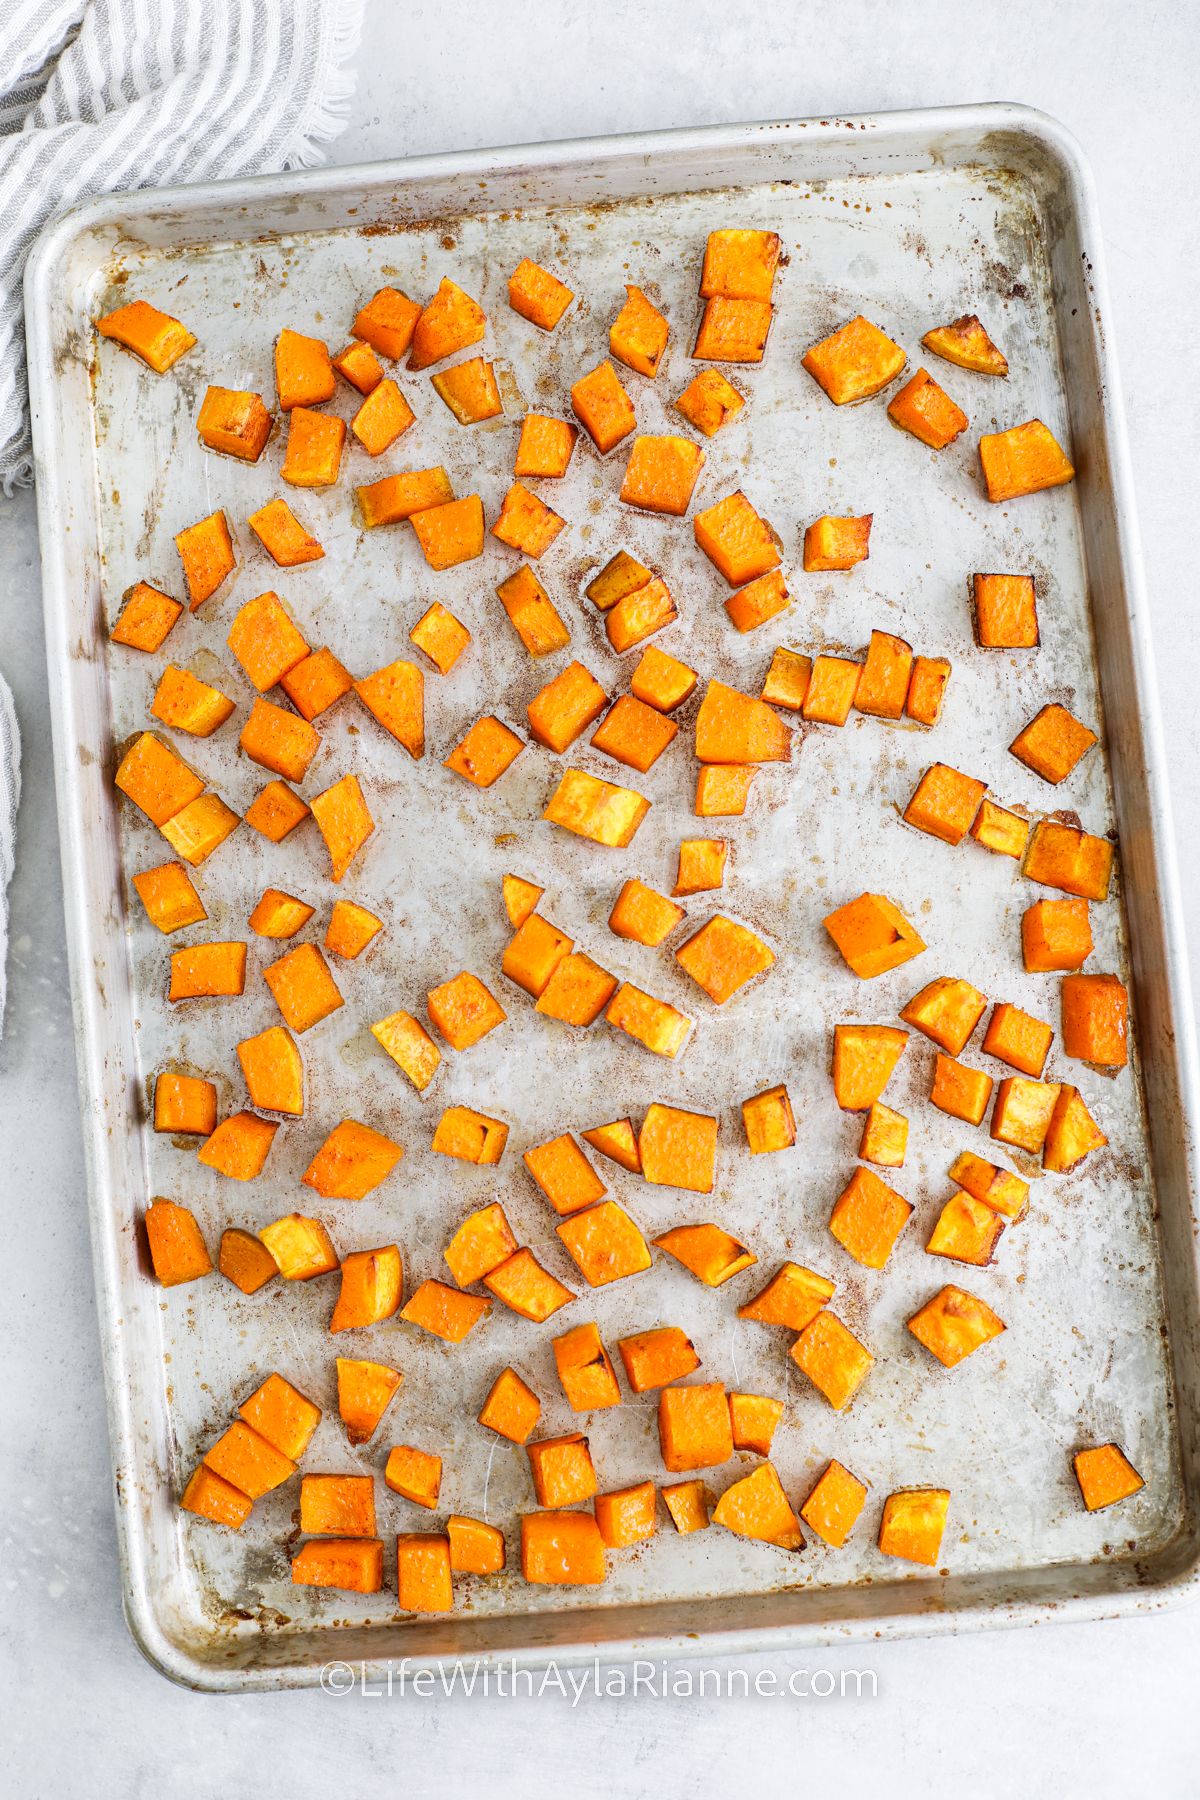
1079,1283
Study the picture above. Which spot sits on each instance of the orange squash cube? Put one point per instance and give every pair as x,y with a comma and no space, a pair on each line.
588,1378
155,337
452,321
533,614
616,1141
482,1242
545,447
945,803
343,1505
832,688
303,375
701,865
733,330
300,1246
1018,1039
833,1506
207,969
855,362
603,408
520,899
200,828
562,1470
1022,460
694,1431
762,600
248,1462
177,1249
709,401
962,1092
653,1023
1095,1020
146,618
707,1252
566,707
395,695
885,1138
561,1549
605,1244
1006,612
189,705
722,790
595,809
450,532
678,1149
884,682
564,1174
913,1522
383,416
832,1358
643,915
233,423
967,1231
722,957
276,811
661,681
488,749
661,474
1006,833
1063,857
1023,1112
170,900
1052,743
737,542
273,1071
445,1312
537,295
464,1011
387,323
626,1516
358,365
351,929
238,1148
475,1548
352,1162
365,1391
185,1104
399,497
633,733
864,1057
511,1408
928,412
946,1012
414,1474
276,739
1072,1133
788,679
469,390
423,1582
837,543
578,991
526,1288
534,953
927,689
953,1324
206,552
654,1358
966,343
768,1121
214,1498
793,1297
873,935
353,1565
638,335
621,576
867,1218
996,1187
740,264
639,615
757,1507
314,449
1105,1475
470,1136
753,1418
303,988
410,1046
266,642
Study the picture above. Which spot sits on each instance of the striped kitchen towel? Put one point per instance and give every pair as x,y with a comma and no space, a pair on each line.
117,94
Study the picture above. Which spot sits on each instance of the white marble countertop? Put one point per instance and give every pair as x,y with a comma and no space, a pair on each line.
1102,1709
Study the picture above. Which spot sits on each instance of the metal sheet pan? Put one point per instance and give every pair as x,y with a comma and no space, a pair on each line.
913,219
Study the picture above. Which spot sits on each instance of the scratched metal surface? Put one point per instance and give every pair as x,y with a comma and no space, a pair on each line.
1078,1283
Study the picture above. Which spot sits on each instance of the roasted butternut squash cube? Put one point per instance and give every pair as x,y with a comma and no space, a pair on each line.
343,1505
578,991
545,447
737,542
273,1071
1006,833
146,618
414,1474
605,1244
384,416
469,390
1064,857
1018,1039
475,1548
733,331
1006,612
186,1104
365,1391
303,988
768,1120
314,448
661,474
793,1297
395,695
207,969
913,1522
734,728
927,411
757,1507
788,679
533,614
967,1231
410,1046
537,295
996,1187
739,264
353,1565
701,865
962,1092
864,1057
678,1148
654,1358
947,1012
155,337
855,362
399,497
266,642
762,600
633,733
661,681
206,552
170,900
444,1311
387,323
520,899
873,935
1023,1112
832,688
238,1148
303,375
638,335
561,1549
276,739
1072,1133
694,1430
534,953
276,811
248,1462
643,915
470,1136
482,1242
511,1408
595,809
654,1023
836,543
884,682
618,1142
639,615
562,1470
945,803
621,576
1022,460
234,423
526,1288
1105,1475
722,790
626,1516
450,532
189,705
867,1218
564,1174
832,1358
351,929
452,321
753,1418
709,401
216,1499
300,1246
885,1138
708,1252
966,343
352,1162
279,915
603,408
833,1506
358,365
566,707
1052,743
177,1249
927,689
723,956
588,1378
464,1011
423,1582
953,1324
1095,1020
488,749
